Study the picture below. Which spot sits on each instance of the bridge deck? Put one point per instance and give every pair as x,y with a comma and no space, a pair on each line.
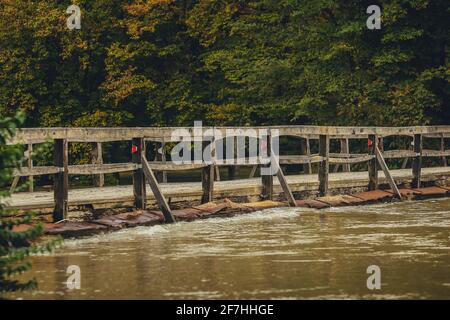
189,191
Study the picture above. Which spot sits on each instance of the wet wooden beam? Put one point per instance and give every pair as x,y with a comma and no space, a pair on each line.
324,167
61,180
267,180
139,188
372,143
417,161
208,177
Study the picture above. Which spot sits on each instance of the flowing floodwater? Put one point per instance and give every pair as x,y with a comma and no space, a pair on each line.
289,253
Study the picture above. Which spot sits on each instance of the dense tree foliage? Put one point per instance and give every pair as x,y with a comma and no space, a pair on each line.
167,62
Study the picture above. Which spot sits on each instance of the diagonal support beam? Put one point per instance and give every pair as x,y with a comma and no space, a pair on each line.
283,182
162,202
387,173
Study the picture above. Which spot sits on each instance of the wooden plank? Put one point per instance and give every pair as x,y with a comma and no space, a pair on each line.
351,160
253,172
435,153
97,159
324,150
217,173
30,167
267,180
305,150
387,173
160,199
300,159
61,180
395,154
96,169
417,161
372,143
443,159
36,135
36,171
308,153
14,183
139,188
345,149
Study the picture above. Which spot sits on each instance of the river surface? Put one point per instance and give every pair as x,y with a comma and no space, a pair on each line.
292,253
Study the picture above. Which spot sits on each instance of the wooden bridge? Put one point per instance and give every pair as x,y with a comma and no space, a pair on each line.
210,187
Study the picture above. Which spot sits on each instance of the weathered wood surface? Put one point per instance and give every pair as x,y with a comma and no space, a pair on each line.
61,180
387,172
324,167
417,161
37,135
192,191
157,193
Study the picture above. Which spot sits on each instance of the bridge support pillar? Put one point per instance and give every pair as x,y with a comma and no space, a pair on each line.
372,144
267,180
61,180
324,166
139,190
417,161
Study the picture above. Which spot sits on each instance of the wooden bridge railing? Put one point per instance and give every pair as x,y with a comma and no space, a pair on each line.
139,136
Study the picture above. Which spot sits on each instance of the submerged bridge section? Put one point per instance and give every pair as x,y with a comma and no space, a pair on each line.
265,188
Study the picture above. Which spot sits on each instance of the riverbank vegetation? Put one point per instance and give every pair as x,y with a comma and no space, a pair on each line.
225,62
260,62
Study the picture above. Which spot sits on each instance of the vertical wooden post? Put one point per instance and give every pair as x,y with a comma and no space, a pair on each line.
137,151
217,171
305,147
253,171
97,158
324,167
208,177
443,158
30,166
417,161
163,159
345,149
372,144
61,180
267,180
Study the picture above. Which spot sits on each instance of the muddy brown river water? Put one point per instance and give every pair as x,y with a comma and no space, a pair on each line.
292,253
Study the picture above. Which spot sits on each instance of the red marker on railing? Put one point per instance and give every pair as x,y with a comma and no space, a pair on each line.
369,142
134,149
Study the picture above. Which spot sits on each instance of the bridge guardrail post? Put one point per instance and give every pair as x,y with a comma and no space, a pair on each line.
417,161
372,144
267,180
61,180
139,188
324,166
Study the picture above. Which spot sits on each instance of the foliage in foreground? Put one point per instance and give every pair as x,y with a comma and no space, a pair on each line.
15,247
